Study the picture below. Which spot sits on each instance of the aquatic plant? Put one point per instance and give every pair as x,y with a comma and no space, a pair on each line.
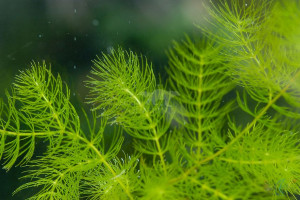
190,141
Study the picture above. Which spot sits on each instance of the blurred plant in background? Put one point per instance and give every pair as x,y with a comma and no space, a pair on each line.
70,33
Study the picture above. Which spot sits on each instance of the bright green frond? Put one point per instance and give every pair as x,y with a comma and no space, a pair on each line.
44,100
37,108
125,89
262,49
119,84
74,162
267,155
199,76
96,185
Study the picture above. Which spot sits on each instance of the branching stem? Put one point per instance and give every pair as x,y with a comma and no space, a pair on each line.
245,130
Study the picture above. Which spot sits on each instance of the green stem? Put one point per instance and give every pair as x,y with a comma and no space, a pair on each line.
91,145
156,137
245,130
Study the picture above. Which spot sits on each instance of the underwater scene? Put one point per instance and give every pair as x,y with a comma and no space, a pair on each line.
151,100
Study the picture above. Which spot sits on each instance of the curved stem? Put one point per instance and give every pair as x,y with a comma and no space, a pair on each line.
103,160
91,145
156,137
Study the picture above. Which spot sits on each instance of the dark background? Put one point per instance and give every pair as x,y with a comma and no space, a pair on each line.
68,34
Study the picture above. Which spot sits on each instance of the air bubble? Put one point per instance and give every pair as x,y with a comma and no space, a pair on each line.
95,22
246,4
75,67
75,38
75,11
109,49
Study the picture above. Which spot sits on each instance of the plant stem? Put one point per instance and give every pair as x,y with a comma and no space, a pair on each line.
245,130
156,137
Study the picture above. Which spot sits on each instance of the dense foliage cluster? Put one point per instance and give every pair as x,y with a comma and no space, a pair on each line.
186,140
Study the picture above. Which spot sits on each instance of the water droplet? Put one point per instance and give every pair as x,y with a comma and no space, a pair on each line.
73,93
75,11
40,35
75,38
95,22
74,66
246,4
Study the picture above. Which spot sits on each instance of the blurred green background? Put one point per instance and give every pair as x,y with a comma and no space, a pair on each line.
68,34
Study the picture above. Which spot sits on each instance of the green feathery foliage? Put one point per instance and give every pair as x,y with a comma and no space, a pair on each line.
186,140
